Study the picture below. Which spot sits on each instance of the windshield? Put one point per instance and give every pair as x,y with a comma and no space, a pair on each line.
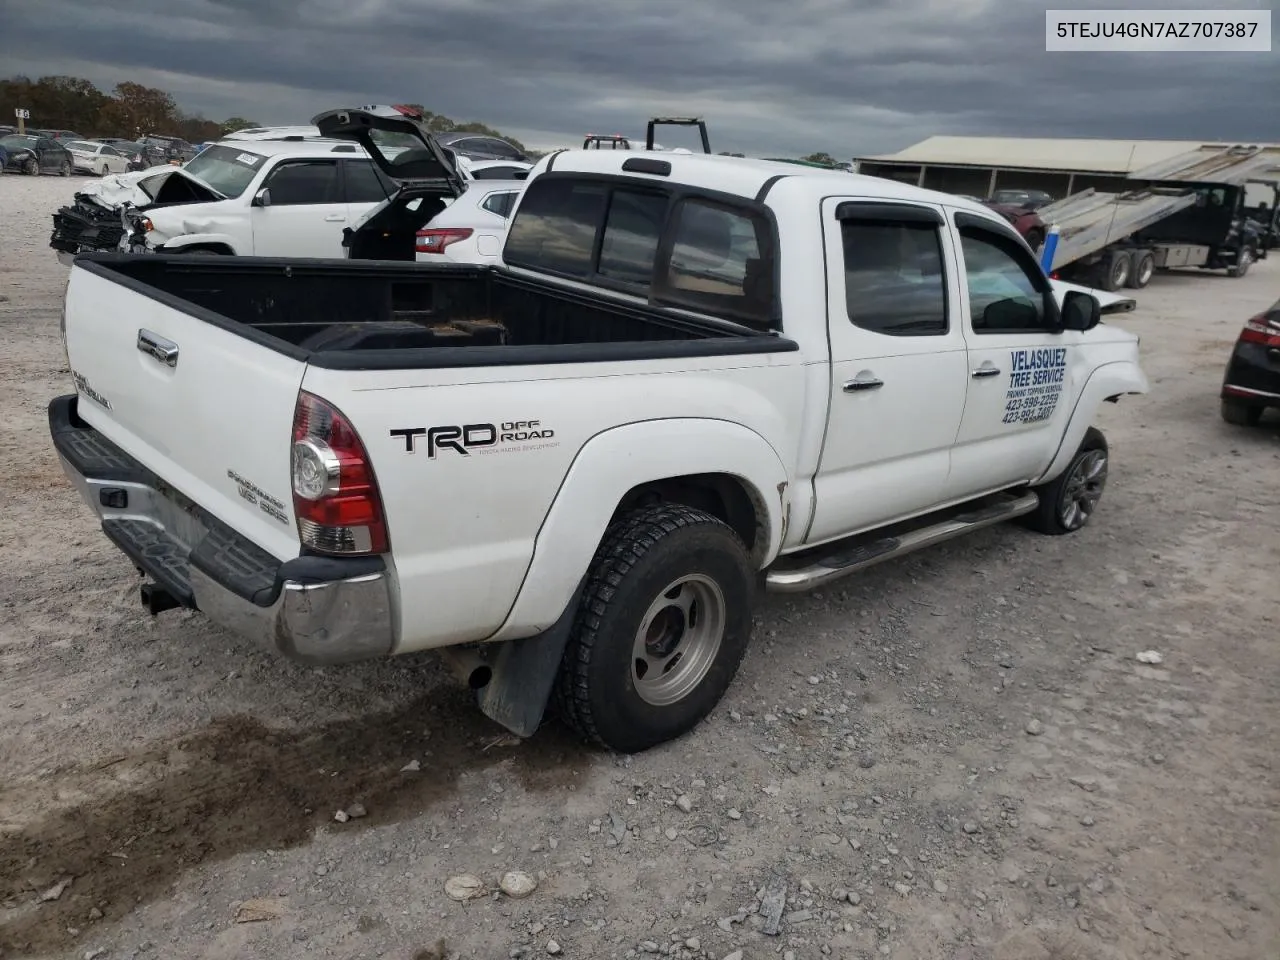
17,140
227,169
82,145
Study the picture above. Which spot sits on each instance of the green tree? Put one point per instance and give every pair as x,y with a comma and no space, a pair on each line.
820,157
233,124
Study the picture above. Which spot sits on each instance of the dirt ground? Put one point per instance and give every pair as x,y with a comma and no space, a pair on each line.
956,756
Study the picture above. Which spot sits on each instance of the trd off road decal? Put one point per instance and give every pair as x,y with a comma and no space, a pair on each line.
1036,378
515,436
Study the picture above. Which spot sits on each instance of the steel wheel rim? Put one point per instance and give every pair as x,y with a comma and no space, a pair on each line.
1145,270
1083,489
1120,273
678,640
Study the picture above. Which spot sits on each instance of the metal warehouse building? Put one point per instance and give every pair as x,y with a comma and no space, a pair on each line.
978,166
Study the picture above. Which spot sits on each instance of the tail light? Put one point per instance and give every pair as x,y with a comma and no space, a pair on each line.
335,494
1262,329
434,241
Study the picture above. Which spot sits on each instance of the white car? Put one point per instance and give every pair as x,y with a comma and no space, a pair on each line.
96,158
690,377
291,197
473,227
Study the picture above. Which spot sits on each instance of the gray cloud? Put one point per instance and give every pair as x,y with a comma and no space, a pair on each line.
847,76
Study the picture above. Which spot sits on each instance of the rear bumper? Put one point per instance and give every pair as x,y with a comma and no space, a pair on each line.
313,609
1253,375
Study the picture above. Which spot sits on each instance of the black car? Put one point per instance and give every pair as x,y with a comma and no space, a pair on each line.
1252,380
24,153
477,146
164,149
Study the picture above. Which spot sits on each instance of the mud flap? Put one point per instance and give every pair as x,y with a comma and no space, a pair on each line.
524,672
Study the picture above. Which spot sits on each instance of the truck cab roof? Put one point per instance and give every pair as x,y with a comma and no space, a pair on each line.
743,177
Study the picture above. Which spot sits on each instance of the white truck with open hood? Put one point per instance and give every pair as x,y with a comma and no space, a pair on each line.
691,377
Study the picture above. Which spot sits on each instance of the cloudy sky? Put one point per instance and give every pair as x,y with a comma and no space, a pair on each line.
852,77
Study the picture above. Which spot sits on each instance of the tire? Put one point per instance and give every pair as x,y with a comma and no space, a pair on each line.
1241,414
1034,238
1068,501
668,582
65,169
202,252
1243,263
32,168
1144,268
1116,270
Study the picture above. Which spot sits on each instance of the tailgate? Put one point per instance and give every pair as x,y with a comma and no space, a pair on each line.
209,411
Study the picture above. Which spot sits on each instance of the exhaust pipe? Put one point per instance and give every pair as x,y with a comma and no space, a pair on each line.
468,665
156,599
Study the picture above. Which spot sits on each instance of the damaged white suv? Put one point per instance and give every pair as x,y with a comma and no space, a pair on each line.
269,198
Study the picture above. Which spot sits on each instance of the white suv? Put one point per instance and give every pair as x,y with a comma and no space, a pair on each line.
273,198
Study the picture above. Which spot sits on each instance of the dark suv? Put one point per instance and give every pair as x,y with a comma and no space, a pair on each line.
167,149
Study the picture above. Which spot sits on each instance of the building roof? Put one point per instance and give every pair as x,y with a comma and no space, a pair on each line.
1077,155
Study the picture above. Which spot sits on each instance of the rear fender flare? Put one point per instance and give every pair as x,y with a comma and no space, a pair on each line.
1108,380
614,462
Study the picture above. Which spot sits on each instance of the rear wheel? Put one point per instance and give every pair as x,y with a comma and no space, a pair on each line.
1144,268
1068,502
661,629
1241,414
1116,270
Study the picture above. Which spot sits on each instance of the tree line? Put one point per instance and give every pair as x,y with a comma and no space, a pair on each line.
133,110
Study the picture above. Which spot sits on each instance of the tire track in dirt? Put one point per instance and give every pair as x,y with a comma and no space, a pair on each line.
232,787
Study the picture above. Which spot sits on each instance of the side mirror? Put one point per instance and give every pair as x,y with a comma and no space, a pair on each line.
262,198
1080,311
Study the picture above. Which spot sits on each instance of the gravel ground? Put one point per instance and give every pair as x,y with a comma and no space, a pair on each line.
954,756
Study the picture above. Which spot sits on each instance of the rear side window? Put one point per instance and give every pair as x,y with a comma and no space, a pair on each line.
363,183
304,181
893,278
500,203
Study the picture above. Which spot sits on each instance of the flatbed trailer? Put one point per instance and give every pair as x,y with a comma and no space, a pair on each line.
1185,212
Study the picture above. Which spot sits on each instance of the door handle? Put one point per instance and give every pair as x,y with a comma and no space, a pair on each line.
166,351
867,383
335,218
987,372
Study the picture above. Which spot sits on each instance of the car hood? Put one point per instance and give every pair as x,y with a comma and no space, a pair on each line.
425,166
124,189
1110,302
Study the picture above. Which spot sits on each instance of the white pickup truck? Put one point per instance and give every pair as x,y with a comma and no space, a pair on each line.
691,377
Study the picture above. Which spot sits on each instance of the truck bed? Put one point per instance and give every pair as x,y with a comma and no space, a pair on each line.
383,315
1091,220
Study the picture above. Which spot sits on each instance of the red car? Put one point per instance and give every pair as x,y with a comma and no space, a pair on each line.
1019,208
1023,218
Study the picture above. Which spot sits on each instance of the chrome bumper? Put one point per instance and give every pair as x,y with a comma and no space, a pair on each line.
312,620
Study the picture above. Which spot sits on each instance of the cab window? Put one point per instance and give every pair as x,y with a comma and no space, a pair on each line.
1006,293
893,278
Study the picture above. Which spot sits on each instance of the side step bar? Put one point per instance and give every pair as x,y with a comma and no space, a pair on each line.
845,558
